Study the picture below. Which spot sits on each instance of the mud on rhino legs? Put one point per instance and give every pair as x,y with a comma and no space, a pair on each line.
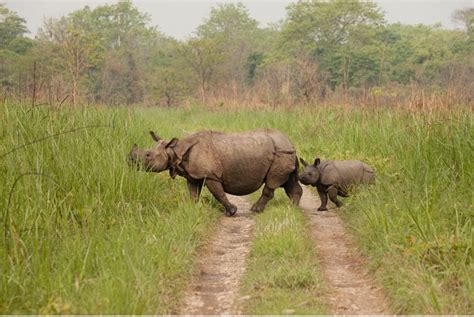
267,194
218,192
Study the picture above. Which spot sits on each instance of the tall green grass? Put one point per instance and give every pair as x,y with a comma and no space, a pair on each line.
416,224
91,235
88,234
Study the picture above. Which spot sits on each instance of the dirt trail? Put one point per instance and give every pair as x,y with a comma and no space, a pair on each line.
215,289
351,288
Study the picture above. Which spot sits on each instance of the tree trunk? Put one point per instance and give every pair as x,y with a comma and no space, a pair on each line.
74,91
33,98
382,61
202,89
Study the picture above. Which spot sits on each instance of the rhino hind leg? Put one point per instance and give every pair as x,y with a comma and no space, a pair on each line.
293,189
218,192
332,193
267,195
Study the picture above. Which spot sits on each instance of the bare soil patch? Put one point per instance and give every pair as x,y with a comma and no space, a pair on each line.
214,290
352,290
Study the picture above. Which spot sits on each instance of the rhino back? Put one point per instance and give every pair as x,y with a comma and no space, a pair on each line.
245,159
280,141
346,173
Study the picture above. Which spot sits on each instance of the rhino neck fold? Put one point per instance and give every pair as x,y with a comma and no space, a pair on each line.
321,167
173,168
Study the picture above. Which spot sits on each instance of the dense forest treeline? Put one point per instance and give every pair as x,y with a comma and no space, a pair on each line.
324,52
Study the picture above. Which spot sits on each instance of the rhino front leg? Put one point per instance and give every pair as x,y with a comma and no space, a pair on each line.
218,192
332,193
324,200
267,194
194,189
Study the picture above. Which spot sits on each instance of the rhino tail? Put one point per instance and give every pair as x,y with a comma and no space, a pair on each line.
292,186
295,174
368,175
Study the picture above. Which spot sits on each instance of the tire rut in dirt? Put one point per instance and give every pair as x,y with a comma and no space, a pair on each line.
352,290
215,287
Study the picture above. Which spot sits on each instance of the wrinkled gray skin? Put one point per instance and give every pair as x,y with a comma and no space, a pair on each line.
234,163
333,178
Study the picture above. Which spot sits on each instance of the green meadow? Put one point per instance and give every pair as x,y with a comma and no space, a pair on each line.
83,233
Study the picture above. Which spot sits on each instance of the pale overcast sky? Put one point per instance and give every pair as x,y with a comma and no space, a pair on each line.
180,18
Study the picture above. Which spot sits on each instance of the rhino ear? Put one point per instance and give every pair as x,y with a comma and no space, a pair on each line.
172,143
303,162
154,136
317,161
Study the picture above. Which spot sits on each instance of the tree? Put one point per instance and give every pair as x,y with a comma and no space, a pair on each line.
77,48
202,56
465,17
128,43
236,36
13,47
418,52
339,34
11,26
231,20
169,78
104,51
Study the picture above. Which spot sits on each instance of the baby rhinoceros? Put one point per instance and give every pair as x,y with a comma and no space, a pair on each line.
333,178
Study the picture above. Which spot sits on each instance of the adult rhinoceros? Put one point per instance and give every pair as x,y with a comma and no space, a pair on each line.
234,163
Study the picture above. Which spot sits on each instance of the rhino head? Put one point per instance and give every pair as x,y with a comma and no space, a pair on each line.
311,173
156,159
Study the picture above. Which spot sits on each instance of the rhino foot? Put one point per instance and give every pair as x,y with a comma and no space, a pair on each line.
231,211
339,204
256,208
322,208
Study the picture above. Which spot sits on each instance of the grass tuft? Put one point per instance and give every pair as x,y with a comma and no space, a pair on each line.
283,274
